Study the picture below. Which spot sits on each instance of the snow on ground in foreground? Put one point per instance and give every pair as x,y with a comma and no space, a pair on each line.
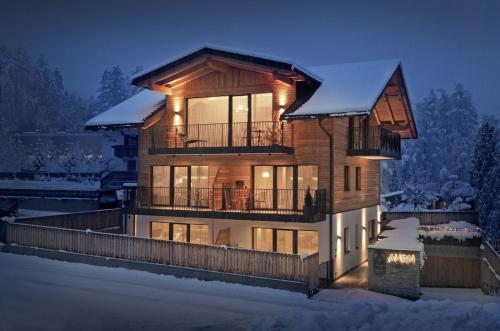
54,184
42,294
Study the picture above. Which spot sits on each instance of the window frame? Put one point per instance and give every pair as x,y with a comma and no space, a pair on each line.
295,238
358,178
347,179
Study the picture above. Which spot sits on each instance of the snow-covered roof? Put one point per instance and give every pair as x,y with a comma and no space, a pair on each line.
403,236
133,111
347,89
291,63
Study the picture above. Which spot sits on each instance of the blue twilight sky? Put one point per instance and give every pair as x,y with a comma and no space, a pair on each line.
440,42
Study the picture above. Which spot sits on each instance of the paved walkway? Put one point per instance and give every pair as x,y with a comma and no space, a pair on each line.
356,278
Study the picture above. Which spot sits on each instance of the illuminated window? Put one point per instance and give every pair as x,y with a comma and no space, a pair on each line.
160,231
210,110
263,187
198,234
263,239
307,179
199,186
180,186
160,185
307,242
179,232
284,241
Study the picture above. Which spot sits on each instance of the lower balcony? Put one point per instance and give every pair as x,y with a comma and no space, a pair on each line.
222,138
125,151
285,205
374,142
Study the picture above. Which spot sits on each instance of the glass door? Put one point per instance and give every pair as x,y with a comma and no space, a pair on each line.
240,120
284,187
160,182
199,186
180,186
263,187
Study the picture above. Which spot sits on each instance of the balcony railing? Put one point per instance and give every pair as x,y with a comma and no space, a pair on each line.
242,203
374,141
222,137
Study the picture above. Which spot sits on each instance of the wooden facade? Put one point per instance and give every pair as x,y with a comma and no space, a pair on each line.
311,145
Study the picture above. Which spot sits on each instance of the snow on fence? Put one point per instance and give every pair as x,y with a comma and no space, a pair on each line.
432,217
207,257
93,220
490,268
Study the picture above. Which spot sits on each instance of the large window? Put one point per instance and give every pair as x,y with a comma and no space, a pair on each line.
307,242
285,187
199,186
160,230
180,186
179,232
198,234
207,120
263,187
263,239
285,241
194,233
160,185
307,179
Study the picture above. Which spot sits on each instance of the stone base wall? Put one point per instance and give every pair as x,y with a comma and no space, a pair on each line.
394,272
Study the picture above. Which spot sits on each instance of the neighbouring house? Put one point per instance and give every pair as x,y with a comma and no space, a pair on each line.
119,126
254,151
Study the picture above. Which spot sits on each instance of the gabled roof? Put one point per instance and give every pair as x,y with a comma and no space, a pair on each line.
226,52
347,89
131,112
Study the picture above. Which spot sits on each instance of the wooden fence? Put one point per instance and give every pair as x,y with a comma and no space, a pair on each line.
457,265
206,257
490,268
93,220
432,217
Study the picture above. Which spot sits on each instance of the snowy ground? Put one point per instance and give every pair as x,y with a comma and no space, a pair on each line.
54,184
41,294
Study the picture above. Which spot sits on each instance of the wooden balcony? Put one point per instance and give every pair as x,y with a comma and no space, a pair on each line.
374,142
286,205
223,138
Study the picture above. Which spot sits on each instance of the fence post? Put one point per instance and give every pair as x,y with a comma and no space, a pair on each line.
3,230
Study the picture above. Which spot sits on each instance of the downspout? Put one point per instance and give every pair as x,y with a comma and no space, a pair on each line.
330,196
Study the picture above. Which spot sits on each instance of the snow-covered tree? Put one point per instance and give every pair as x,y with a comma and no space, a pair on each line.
485,178
114,88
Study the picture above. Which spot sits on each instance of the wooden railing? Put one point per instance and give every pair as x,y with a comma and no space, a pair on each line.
207,257
270,201
373,140
93,220
244,134
432,217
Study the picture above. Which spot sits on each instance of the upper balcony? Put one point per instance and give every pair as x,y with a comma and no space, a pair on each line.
374,142
223,138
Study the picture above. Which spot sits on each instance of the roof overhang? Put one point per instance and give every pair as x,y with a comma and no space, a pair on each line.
207,59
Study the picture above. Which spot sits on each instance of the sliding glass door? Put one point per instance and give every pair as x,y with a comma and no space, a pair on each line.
285,187
199,186
263,187
180,186
160,186
207,120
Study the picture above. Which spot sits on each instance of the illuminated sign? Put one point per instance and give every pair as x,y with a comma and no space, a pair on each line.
401,258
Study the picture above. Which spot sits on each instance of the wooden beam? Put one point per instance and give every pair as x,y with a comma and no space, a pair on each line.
376,115
251,66
160,88
386,98
282,79
218,65
406,110
195,75
181,74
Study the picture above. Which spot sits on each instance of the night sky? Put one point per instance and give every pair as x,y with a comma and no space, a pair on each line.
439,42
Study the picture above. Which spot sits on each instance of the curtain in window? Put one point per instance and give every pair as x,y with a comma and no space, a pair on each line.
262,117
199,186
198,234
180,186
240,120
263,187
263,239
284,241
159,231
160,185
307,178
307,242
285,187
208,120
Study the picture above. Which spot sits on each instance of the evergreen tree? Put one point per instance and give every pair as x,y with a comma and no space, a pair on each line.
114,88
484,177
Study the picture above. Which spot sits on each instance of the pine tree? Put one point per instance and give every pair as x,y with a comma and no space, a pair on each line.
484,177
114,88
